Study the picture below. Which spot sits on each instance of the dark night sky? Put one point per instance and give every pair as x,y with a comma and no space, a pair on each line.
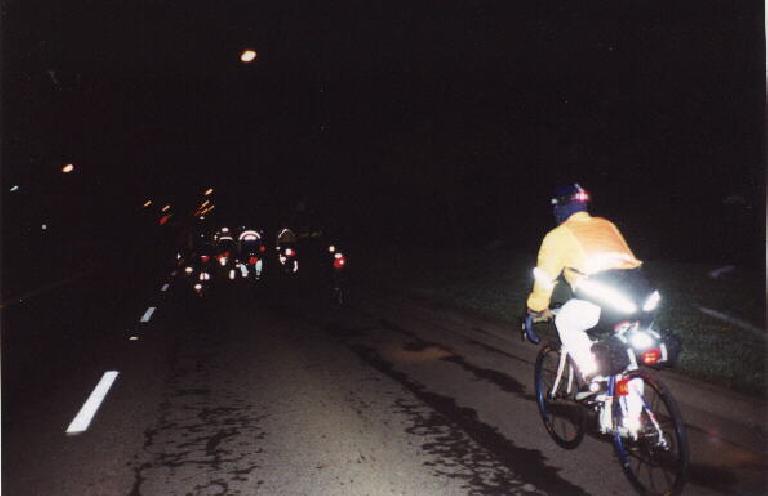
451,118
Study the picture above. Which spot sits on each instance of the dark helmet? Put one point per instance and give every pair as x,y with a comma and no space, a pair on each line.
569,199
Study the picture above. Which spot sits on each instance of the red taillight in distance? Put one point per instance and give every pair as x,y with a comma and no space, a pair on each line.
339,261
204,258
252,260
262,249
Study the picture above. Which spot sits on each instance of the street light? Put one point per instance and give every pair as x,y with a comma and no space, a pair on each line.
15,187
247,56
67,168
165,208
209,192
147,203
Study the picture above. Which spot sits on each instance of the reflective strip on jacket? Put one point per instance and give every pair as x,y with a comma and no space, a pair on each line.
580,246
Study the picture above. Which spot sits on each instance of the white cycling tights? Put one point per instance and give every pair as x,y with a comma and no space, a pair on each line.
572,322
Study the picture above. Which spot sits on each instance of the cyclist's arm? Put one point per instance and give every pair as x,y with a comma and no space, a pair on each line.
549,265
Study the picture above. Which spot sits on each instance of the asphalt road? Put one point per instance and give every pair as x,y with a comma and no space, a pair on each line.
274,391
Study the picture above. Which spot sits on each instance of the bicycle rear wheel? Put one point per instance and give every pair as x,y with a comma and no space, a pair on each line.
563,417
656,463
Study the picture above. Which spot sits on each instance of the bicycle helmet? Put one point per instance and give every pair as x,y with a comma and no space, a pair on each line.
569,199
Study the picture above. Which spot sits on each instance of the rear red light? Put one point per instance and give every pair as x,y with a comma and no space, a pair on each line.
204,258
651,357
622,387
253,260
339,262
262,249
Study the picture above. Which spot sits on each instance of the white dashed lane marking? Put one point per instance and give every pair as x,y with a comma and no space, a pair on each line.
83,418
148,315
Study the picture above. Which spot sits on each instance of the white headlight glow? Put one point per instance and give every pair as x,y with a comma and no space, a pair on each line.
652,302
642,340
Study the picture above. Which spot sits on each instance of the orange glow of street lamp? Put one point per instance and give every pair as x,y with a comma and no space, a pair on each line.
248,56
67,168
147,203
209,192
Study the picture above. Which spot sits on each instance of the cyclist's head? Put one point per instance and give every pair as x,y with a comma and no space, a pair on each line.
568,200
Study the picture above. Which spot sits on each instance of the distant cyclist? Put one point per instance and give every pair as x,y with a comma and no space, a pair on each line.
286,245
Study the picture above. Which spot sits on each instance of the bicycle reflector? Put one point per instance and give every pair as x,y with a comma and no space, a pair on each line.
622,387
651,357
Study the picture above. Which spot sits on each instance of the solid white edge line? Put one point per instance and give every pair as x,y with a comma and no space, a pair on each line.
83,418
148,315
732,320
165,287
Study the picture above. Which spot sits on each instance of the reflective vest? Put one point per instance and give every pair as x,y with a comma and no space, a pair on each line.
581,246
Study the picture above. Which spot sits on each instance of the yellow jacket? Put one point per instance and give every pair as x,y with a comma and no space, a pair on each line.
580,246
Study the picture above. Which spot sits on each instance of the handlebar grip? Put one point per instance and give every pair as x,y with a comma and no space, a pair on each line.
529,333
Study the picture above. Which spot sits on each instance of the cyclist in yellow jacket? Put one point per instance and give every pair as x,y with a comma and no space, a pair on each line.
580,246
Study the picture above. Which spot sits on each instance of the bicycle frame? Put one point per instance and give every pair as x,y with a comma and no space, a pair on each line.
650,444
610,393
560,367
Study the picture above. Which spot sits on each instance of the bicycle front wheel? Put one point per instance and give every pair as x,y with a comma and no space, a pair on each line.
656,462
563,417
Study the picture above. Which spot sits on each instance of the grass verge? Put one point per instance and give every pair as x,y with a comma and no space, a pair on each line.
495,284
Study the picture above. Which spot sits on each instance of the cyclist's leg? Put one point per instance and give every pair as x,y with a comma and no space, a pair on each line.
572,322
632,405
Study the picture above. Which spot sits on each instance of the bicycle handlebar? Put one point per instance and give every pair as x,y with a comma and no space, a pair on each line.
528,332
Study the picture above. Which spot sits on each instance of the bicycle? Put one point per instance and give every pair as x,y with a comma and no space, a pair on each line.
653,451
